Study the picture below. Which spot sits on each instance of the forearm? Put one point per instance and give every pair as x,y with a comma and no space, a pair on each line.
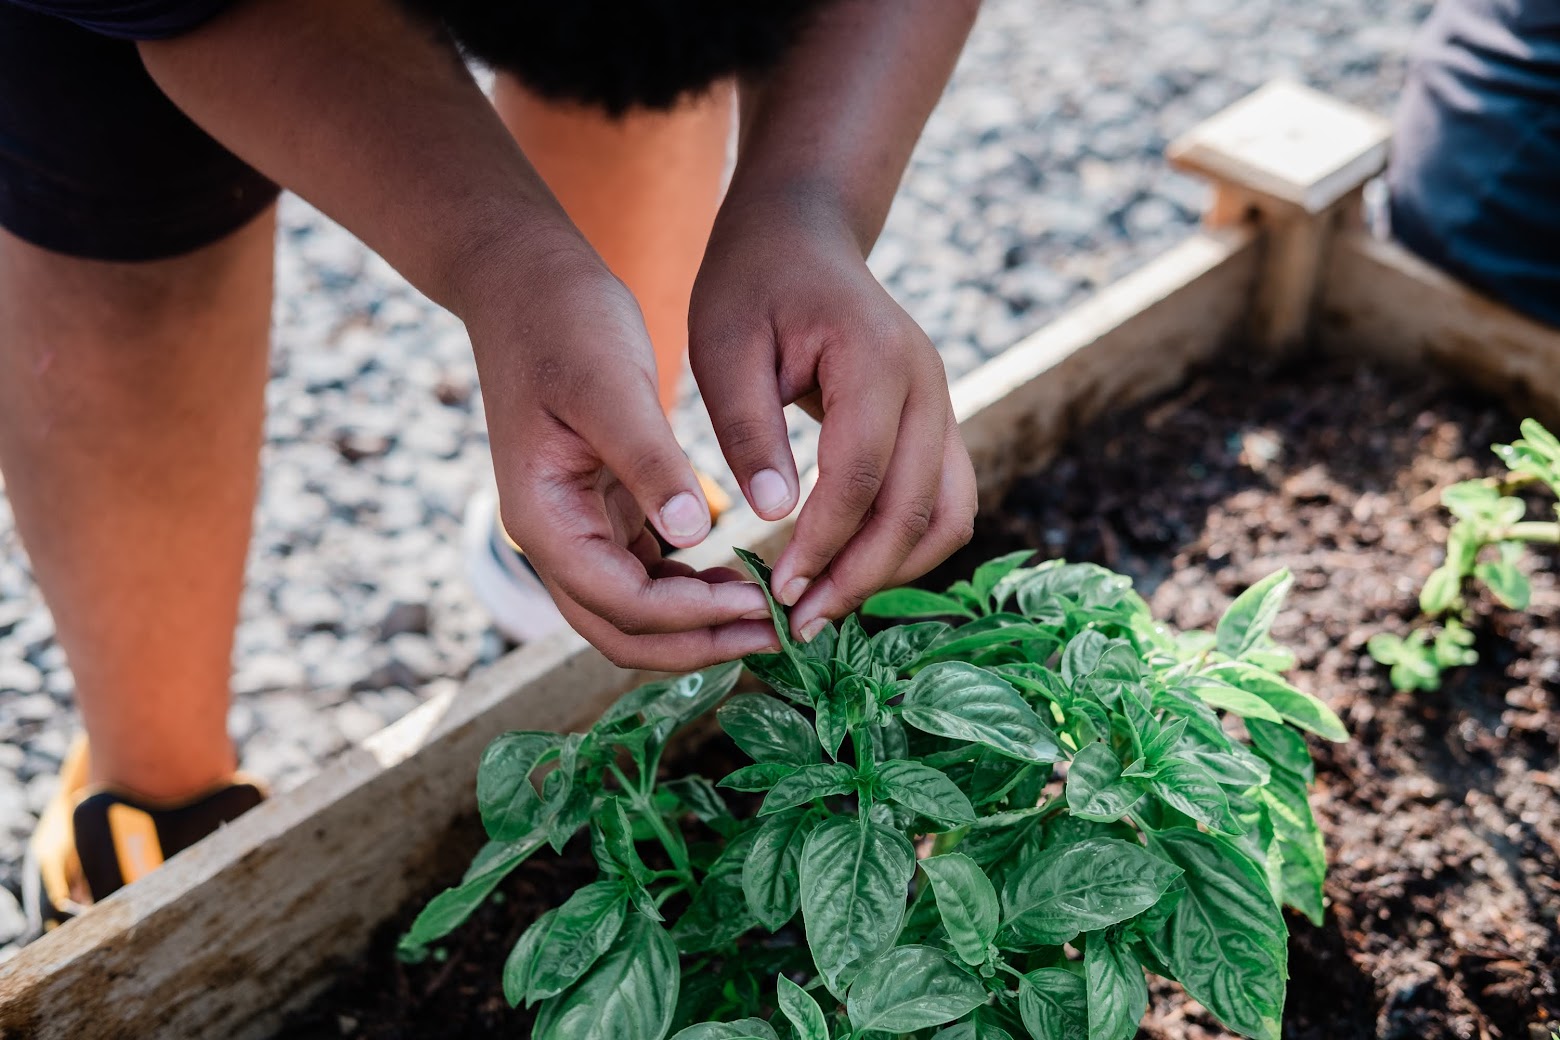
834,125
374,119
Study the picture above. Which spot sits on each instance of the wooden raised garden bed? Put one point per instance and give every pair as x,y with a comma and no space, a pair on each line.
241,931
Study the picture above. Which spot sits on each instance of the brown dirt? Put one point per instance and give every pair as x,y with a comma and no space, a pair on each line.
1442,815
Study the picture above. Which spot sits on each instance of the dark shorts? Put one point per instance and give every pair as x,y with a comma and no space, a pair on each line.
96,162
1475,173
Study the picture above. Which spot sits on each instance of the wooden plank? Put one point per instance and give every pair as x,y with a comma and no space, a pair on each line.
1380,300
1133,339
249,924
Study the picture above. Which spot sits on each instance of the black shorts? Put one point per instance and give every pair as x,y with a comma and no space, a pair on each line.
96,162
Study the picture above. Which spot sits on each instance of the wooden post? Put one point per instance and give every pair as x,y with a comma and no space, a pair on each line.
1294,161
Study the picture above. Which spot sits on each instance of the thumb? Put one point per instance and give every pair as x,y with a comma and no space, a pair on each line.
741,390
622,421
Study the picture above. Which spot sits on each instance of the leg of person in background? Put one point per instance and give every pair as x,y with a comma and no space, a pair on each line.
131,402
644,189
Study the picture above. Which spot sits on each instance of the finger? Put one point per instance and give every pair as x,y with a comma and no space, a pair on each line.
674,652
620,418
737,378
953,521
900,518
863,407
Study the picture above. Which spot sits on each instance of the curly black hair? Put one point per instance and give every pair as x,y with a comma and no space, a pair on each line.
622,54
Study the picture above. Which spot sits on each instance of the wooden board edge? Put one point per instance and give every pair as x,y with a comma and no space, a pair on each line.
1380,300
248,924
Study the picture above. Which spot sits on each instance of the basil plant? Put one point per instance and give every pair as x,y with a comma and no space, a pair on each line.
986,823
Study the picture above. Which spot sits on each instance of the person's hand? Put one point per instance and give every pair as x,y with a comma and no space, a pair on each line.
584,456
785,310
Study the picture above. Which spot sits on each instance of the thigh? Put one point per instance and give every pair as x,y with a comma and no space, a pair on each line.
96,162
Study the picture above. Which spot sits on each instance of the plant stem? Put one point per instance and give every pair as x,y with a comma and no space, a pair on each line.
641,803
1543,531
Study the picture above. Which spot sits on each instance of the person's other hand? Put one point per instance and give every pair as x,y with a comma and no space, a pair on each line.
584,457
785,310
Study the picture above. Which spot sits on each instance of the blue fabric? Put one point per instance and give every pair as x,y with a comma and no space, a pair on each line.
1475,172
130,19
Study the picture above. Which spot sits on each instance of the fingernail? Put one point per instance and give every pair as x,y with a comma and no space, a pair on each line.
769,490
812,628
684,516
756,615
793,591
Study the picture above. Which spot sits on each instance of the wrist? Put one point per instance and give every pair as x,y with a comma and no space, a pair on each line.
813,202
503,269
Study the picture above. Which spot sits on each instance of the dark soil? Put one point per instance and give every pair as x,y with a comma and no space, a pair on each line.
1442,815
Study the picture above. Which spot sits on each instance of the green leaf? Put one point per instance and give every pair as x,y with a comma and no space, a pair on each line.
796,654
687,697
807,783
1295,706
1226,942
1471,500
978,1028
854,647
718,915
1095,789
568,941
1506,582
1299,842
967,902
449,909
760,776
901,646
1229,698
746,1029
1248,619
506,798
924,790
964,702
769,730
699,797
1118,992
854,876
910,988
914,603
771,876
1054,1003
1283,747
617,836
629,994
1441,592
1187,787
989,574
994,630
803,1012
1081,887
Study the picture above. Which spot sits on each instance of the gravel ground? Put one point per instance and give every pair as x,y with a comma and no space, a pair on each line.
1039,178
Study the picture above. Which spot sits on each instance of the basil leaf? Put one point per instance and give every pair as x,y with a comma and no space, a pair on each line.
760,776
1248,619
1095,789
798,1006
1118,992
699,797
854,875
1508,584
978,1028
746,1029
1081,887
771,876
797,654
807,783
1294,705
964,702
1054,1004
506,798
913,603
853,649
629,994
1187,787
717,915
994,630
990,573
1229,698
521,959
967,902
901,646
686,697
569,940
924,790
910,988
769,730
1226,941
1282,747
1299,842
449,909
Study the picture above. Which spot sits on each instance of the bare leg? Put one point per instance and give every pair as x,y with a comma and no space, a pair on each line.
131,399
643,189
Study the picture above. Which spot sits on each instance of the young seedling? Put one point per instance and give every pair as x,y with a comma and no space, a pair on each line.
983,825
1485,545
